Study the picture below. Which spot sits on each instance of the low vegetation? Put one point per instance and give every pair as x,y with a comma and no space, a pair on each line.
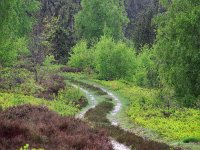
148,51
8,100
42,128
97,116
148,110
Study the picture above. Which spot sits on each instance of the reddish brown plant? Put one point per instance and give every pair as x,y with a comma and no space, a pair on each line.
42,128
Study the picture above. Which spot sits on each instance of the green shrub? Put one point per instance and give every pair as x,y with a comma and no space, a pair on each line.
69,95
81,56
145,109
9,100
191,139
114,60
26,147
28,88
48,68
146,74
177,48
140,77
18,80
49,63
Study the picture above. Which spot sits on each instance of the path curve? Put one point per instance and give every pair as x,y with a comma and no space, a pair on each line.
116,145
90,98
117,107
137,141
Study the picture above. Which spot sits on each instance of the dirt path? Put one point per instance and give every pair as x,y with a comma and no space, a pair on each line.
92,103
97,112
91,100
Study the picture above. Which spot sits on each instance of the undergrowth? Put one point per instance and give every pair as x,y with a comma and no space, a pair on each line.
97,116
9,100
147,110
42,128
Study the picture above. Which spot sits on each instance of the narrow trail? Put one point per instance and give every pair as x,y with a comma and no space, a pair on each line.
117,107
97,113
91,100
92,103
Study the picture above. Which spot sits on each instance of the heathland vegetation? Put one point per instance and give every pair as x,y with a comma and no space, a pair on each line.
146,51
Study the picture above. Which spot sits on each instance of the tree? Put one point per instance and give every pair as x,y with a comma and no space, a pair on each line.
97,15
81,56
63,38
16,22
177,48
140,28
114,60
146,72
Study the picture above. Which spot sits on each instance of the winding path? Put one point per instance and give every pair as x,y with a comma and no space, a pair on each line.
117,107
93,102
94,95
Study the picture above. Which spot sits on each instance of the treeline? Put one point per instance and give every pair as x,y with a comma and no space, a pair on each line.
150,43
15,25
170,62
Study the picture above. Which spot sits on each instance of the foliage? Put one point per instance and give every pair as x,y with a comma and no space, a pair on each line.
48,67
46,70
26,147
181,123
114,60
81,56
52,85
9,100
147,109
59,18
72,96
177,49
18,80
16,22
191,139
140,28
146,73
96,16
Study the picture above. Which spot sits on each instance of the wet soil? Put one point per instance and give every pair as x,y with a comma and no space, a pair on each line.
97,116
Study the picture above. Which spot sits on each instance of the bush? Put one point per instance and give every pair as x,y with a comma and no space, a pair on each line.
81,56
43,128
69,69
72,95
52,84
177,48
18,80
146,73
10,100
48,67
191,139
114,60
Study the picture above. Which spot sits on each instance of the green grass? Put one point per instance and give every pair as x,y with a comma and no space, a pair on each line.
145,111
9,100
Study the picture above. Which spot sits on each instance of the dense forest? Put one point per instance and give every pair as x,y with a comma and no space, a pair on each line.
100,74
